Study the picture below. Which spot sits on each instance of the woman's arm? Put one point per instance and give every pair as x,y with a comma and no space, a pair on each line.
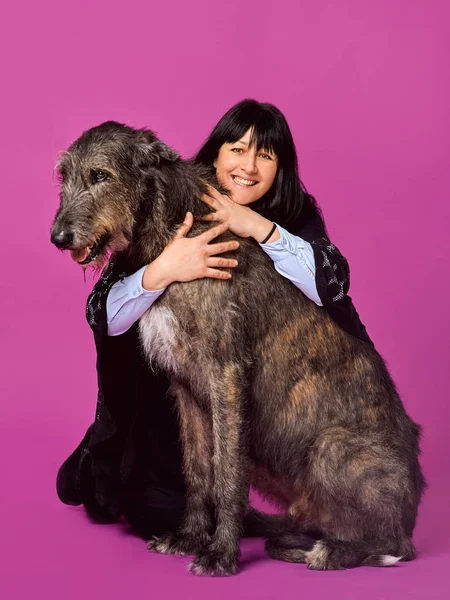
183,259
127,301
293,257
332,273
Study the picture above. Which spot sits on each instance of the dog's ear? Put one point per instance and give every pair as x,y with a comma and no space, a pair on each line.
153,153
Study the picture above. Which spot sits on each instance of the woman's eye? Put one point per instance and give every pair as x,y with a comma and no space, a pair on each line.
98,176
237,150
265,156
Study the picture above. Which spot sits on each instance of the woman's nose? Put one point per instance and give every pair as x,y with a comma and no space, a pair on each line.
249,165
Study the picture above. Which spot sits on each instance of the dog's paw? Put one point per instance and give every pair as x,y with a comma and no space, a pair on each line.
322,558
172,544
317,558
214,564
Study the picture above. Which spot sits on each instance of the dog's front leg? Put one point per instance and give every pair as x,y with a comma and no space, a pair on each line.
195,432
230,484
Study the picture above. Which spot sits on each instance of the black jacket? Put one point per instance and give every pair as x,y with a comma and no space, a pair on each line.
129,462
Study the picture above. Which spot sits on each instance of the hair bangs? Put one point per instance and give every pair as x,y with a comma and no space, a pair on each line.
264,135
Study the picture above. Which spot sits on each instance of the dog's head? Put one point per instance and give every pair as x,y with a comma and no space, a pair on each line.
103,176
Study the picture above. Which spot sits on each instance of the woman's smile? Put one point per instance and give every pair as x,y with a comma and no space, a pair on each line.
243,182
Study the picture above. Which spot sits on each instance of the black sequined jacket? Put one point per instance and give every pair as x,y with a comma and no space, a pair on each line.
130,457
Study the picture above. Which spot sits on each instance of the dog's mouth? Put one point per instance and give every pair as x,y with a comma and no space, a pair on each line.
86,255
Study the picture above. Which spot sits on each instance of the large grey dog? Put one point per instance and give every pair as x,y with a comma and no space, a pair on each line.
270,391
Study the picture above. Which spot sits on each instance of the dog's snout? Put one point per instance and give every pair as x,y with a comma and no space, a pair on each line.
62,238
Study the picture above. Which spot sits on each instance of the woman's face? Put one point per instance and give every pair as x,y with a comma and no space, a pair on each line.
247,173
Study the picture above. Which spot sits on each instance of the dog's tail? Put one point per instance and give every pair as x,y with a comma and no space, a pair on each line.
329,554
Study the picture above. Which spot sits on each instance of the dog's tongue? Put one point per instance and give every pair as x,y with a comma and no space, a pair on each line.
80,254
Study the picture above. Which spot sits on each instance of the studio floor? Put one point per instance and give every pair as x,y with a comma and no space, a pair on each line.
52,551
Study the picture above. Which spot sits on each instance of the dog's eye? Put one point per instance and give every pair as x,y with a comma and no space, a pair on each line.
98,176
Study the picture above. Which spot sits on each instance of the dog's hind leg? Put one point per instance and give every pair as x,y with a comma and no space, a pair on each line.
198,524
366,500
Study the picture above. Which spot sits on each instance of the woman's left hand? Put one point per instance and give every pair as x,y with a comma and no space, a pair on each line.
240,219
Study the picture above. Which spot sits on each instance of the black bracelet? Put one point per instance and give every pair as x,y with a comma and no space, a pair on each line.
270,234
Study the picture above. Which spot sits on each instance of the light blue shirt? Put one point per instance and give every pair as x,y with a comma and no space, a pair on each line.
292,257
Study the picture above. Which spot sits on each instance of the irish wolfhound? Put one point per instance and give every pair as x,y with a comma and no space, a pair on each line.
270,391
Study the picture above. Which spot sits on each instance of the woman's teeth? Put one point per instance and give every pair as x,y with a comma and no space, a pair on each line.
246,182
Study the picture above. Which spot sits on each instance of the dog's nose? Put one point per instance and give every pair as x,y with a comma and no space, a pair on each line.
62,239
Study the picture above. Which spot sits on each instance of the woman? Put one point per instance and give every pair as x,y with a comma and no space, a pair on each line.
129,462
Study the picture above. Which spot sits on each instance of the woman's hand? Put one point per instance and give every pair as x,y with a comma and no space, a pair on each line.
186,259
241,220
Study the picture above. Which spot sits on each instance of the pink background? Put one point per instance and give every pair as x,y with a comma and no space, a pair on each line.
365,88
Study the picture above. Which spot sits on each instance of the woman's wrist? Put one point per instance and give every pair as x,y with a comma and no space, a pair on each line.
261,229
154,277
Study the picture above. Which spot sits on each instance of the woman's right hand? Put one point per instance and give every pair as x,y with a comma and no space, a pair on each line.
186,259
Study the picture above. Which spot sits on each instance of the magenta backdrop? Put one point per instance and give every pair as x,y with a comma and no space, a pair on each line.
365,88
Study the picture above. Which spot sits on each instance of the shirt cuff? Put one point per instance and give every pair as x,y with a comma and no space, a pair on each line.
133,285
293,257
291,245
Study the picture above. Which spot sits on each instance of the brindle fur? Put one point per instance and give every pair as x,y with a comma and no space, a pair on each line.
270,391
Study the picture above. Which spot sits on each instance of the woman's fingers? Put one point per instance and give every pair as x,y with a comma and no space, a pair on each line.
215,274
210,200
214,232
185,226
216,261
213,249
